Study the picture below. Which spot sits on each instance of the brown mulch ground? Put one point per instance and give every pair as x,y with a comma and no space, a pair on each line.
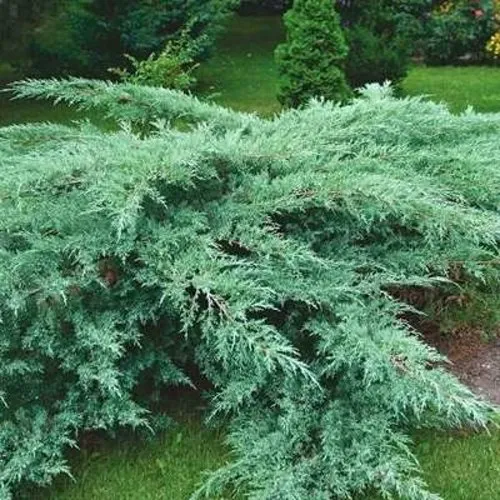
474,360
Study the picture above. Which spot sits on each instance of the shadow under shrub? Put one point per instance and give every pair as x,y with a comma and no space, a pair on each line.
259,251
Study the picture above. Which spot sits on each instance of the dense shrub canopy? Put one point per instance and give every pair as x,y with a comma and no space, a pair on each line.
381,35
172,68
459,30
312,58
89,36
255,254
264,6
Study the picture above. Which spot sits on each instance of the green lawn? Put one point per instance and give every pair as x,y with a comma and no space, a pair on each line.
22,111
242,75
30,111
460,468
168,467
458,87
171,467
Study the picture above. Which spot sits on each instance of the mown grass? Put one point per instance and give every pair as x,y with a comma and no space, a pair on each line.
32,111
242,75
459,87
461,467
170,467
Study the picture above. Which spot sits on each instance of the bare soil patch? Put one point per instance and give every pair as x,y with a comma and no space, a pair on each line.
473,359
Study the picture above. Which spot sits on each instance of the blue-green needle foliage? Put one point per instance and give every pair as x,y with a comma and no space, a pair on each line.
200,244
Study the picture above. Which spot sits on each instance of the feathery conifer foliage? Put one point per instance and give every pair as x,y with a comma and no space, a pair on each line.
255,254
381,35
311,60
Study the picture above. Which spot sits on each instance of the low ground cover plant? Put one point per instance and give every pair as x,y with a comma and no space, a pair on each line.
256,258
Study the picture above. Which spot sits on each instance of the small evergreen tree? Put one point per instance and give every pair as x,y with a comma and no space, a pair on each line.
381,35
311,60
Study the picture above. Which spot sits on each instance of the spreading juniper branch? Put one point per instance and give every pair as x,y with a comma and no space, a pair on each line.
262,252
129,102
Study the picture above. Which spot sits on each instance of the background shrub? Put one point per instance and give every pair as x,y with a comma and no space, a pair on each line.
375,58
252,7
172,68
249,256
18,20
382,36
312,58
69,39
88,37
458,31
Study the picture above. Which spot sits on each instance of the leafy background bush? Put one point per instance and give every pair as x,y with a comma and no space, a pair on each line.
88,37
172,68
459,29
373,58
18,20
248,256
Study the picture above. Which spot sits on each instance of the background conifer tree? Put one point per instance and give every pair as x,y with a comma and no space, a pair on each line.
312,58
